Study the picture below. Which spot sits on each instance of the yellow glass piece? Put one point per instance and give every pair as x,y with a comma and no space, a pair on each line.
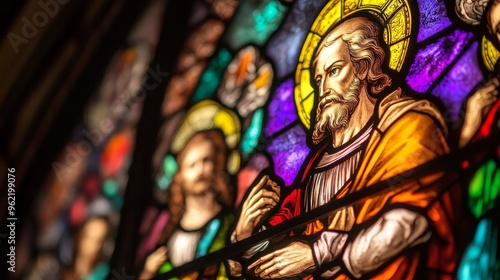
306,79
398,26
375,3
223,121
330,14
265,77
396,19
350,6
233,162
305,91
207,115
395,49
489,53
391,7
309,101
307,53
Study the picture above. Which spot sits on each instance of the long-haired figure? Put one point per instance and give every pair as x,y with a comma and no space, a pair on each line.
201,195
87,254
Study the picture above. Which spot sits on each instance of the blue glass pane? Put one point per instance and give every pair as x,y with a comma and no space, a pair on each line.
430,62
288,152
285,45
480,257
281,111
461,79
433,18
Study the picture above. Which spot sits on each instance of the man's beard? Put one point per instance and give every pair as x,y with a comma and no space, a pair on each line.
202,186
330,118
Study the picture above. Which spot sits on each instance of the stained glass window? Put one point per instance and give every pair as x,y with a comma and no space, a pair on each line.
338,139
269,72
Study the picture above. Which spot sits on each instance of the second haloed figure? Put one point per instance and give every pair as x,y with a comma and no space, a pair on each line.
198,196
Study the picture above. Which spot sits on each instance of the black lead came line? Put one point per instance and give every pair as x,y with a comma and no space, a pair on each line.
448,162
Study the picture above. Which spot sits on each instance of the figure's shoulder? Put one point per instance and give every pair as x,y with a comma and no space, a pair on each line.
418,118
399,110
413,124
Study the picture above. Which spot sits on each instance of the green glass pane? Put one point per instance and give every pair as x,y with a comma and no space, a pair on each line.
110,188
166,267
251,137
169,165
254,23
479,260
210,79
484,188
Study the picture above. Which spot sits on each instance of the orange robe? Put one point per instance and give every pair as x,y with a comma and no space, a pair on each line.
407,134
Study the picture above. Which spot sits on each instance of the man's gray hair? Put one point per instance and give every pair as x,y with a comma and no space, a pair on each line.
470,11
367,55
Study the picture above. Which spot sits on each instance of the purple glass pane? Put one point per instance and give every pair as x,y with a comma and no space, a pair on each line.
433,18
430,62
281,110
463,77
288,152
284,47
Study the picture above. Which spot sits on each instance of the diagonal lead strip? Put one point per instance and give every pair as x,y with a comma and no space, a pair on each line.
448,162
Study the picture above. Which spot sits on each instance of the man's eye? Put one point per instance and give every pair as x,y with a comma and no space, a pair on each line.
334,71
318,83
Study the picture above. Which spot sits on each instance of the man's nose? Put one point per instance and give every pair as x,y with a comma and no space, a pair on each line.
206,167
323,89
324,92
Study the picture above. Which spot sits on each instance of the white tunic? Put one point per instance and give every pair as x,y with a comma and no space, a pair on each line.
333,171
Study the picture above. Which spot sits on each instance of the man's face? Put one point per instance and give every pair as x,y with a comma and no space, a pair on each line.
494,19
93,237
198,166
338,88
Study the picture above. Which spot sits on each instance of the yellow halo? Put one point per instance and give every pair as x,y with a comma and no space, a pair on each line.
207,115
489,53
397,21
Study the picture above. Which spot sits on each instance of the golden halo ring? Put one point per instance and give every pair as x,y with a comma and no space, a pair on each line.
207,115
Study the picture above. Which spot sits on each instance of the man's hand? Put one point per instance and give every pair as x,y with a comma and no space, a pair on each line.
289,261
235,268
154,262
478,106
263,197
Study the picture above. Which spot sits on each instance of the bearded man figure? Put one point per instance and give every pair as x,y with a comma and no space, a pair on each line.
366,131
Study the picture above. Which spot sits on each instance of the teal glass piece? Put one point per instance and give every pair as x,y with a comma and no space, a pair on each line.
100,272
254,23
207,238
169,165
117,202
251,137
480,257
163,181
211,77
110,188
484,188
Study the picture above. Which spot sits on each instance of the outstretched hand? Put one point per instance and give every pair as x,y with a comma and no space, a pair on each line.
478,106
290,261
263,197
